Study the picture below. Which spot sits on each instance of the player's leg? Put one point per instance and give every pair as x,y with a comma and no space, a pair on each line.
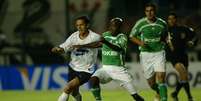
183,82
83,78
154,86
73,84
147,60
152,83
160,76
95,88
71,75
100,76
76,94
121,75
160,70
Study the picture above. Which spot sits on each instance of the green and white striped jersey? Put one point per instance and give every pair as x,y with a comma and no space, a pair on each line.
111,56
150,33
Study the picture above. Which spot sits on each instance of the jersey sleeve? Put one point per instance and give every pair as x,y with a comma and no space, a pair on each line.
120,41
165,32
135,30
67,45
191,35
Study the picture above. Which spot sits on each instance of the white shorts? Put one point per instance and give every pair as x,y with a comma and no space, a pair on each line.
111,72
152,62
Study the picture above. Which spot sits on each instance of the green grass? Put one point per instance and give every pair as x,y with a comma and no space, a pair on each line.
108,95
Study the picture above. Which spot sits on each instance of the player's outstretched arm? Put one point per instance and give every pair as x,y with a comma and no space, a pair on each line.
57,50
117,48
90,45
137,41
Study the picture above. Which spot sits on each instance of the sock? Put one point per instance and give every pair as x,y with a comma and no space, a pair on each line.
155,88
178,87
187,89
162,91
63,97
96,93
78,97
137,97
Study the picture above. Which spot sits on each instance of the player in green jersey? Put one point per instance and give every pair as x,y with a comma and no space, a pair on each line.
150,34
113,60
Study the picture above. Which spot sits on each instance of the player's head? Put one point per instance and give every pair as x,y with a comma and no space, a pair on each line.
115,25
82,23
150,11
172,19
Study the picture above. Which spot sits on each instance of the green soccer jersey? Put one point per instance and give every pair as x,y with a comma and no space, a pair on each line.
111,56
150,33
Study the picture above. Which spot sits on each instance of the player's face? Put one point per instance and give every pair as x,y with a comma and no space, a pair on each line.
113,27
150,12
81,26
171,20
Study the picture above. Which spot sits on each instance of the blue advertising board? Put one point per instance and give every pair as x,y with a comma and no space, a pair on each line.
39,77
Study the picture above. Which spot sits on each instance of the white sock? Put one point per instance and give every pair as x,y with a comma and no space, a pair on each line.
130,88
63,97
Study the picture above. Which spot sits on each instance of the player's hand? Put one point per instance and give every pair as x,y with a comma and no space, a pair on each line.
143,44
57,50
102,39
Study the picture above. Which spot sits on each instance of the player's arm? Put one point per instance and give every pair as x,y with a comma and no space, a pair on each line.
57,50
169,41
133,36
96,42
90,45
137,41
116,47
64,47
191,37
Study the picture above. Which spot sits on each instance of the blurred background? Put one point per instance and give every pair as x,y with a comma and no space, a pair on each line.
30,28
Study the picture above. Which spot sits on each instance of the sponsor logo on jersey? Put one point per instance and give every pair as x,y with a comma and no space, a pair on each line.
110,53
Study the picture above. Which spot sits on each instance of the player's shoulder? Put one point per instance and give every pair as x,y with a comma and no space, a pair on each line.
93,33
75,33
122,35
161,20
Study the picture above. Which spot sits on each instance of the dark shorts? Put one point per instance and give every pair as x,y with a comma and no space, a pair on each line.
181,58
82,76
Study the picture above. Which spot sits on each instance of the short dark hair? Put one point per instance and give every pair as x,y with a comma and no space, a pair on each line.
173,14
84,18
150,5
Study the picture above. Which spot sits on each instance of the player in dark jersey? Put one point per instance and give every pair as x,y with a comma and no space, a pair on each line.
180,39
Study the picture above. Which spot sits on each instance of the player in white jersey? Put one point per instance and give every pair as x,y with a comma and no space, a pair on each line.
83,60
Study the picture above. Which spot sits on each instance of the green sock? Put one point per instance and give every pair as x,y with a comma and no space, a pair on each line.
96,93
162,91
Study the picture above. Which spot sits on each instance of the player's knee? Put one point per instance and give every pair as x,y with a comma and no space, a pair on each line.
179,66
181,69
160,77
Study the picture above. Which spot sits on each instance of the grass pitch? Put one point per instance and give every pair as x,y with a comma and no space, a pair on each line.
108,95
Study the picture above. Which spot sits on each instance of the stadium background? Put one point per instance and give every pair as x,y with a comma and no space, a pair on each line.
30,28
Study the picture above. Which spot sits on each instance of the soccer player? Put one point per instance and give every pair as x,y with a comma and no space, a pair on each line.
82,59
113,60
181,38
150,34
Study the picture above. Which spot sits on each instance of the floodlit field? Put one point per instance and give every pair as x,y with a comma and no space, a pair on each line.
108,95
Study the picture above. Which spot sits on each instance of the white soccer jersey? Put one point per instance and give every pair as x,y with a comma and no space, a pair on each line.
82,59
